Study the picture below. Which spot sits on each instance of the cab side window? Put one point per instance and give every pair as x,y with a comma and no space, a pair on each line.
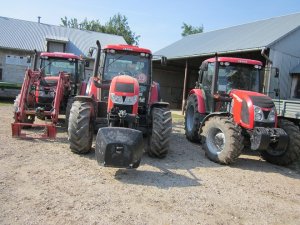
208,76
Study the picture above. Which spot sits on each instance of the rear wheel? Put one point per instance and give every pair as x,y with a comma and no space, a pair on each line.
292,151
222,140
80,130
161,132
193,119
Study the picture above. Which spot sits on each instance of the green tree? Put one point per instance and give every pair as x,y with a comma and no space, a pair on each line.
118,25
189,29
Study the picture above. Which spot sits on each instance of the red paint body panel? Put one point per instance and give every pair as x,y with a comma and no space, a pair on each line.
238,96
154,93
124,79
200,99
83,88
91,89
128,48
235,60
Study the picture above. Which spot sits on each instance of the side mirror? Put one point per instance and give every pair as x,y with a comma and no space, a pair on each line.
163,60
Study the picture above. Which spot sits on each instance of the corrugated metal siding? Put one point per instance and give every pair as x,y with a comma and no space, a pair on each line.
290,109
25,35
243,37
285,55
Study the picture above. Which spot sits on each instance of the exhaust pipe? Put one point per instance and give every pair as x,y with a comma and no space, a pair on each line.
215,80
265,56
96,68
35,57
97,59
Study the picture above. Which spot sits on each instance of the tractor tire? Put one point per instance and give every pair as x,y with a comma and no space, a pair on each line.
161,132
80,129
68,110
28,119
222,140
292,152
192,119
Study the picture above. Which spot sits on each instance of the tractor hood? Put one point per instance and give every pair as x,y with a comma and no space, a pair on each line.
252,109
124,94
124,85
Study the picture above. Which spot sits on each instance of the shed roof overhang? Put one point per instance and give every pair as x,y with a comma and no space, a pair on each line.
296,70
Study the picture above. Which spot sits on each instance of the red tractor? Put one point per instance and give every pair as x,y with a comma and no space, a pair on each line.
226,113
124,102
47,92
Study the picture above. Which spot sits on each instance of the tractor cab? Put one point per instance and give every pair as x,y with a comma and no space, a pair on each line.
127,60
53,63
229,73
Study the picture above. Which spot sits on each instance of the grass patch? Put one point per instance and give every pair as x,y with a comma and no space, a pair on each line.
5,103
177,118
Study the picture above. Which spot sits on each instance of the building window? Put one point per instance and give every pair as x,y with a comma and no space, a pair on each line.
1,73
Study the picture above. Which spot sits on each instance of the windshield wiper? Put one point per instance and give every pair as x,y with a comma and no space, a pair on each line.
115,60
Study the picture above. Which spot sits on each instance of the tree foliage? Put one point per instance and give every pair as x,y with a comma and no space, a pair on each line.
189,29
118,25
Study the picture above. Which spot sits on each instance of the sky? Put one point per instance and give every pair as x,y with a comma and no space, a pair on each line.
158,22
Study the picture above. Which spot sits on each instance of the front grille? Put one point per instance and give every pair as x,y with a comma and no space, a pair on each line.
264,124
127,108
262,101
266,114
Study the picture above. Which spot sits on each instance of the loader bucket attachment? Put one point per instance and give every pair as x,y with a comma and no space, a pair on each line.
119,147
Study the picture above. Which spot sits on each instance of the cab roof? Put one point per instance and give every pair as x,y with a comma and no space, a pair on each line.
60,55
128,48
235,60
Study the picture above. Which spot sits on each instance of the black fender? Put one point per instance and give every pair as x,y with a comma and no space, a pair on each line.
211,115
158,105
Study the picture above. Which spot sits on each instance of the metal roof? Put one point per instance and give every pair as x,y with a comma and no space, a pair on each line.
26,35
245,37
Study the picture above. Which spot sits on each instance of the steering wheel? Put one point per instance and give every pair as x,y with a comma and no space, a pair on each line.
125,72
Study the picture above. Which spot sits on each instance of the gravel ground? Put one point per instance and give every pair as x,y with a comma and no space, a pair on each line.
42,182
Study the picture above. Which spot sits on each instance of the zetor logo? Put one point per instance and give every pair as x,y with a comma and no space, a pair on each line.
128,49
243,61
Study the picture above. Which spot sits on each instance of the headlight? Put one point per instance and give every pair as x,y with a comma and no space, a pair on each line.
272,115
258,114
130,100
117,99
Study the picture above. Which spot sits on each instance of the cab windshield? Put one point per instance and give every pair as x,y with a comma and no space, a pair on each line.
135,66
239,76
52,66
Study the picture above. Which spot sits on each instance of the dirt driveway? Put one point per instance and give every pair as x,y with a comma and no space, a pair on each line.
42,182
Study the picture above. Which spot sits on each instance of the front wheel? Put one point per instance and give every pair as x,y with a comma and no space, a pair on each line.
222,140
292,152
80,129
161,132
192,119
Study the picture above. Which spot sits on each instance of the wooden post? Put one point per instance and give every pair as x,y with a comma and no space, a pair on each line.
184,87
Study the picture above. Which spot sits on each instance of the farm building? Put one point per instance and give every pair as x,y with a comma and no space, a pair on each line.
19,38
276,38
